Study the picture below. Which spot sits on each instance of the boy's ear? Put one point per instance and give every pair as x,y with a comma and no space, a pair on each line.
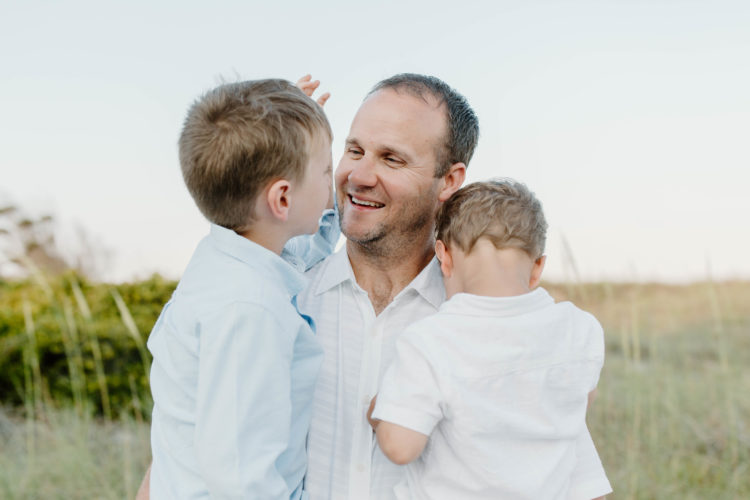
444,256
452,181
277,197
536,271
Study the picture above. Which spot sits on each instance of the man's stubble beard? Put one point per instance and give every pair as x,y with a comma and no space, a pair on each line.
399,237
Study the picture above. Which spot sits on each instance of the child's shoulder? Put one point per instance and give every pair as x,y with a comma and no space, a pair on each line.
583,329
578,316
213,279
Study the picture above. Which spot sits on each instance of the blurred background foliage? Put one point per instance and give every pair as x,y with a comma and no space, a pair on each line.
65,337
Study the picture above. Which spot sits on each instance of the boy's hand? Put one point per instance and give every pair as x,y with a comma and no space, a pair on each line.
308,86
373,422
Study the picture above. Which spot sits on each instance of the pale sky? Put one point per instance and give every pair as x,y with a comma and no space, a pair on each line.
629,119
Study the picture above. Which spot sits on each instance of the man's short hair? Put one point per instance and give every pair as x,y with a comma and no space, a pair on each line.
240,136
463,125
501,210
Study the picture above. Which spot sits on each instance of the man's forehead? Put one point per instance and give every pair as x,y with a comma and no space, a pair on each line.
394,116
425,101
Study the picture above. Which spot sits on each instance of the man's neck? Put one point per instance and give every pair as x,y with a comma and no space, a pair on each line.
384,275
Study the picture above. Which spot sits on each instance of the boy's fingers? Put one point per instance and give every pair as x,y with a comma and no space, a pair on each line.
309,88
304,79
322,99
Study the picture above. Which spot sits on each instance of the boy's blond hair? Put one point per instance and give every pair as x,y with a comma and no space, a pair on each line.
240,136
501,210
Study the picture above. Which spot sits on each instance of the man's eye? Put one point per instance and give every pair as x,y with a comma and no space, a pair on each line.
353,151
391,159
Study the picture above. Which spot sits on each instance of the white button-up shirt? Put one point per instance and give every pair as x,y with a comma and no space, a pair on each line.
344,459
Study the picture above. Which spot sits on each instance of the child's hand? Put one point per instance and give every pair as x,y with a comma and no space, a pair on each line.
373,422
308,86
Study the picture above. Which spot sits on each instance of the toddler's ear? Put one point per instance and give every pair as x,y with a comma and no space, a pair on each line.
444,256
536,271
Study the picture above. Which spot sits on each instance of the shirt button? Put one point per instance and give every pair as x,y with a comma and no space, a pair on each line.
360,468
366,400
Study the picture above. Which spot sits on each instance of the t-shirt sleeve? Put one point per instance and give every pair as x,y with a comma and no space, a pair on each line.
589,479
409,392
306,250
595,348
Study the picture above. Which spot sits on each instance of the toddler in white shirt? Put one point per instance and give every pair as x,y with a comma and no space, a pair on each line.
487,398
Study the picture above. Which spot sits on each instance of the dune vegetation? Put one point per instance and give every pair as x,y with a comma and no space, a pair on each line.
671,420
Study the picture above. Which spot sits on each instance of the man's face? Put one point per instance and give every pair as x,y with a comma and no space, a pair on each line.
386,185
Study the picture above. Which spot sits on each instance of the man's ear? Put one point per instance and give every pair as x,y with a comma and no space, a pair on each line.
536,271
444,256
277,197
452,181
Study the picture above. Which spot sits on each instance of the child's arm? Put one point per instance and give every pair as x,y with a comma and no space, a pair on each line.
409,404
589,478
306,250
399,444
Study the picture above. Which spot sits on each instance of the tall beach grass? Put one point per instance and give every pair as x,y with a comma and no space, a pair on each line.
671,420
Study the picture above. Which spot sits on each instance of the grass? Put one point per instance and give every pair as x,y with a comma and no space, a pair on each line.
672,418
61,455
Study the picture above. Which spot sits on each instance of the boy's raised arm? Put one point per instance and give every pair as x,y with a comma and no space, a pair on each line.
306,250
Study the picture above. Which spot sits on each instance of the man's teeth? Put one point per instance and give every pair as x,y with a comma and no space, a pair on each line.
357,201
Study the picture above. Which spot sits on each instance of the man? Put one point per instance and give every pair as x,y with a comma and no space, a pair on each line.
406,153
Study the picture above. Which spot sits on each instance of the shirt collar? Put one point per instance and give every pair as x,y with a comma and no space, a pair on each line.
338,270
257,257
498,306
428,283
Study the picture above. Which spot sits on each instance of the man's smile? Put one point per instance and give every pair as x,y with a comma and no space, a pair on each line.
361,202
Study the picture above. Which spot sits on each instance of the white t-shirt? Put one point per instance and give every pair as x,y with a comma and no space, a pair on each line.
500,384
344,459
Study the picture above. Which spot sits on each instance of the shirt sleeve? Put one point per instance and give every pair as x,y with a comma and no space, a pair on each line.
243,403
306,250
589,479
595,349
409,394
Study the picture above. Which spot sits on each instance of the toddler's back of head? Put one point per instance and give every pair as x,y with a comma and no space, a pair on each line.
504,211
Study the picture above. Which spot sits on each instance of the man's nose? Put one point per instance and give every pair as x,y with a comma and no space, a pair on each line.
363,173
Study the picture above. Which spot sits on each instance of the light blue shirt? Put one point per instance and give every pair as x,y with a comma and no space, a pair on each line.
234,369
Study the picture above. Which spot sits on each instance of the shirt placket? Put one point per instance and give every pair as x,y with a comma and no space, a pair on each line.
362,446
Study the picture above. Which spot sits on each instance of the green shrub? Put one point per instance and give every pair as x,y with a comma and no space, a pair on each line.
65,340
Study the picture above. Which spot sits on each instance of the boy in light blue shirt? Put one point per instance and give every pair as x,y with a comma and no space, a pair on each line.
235,363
